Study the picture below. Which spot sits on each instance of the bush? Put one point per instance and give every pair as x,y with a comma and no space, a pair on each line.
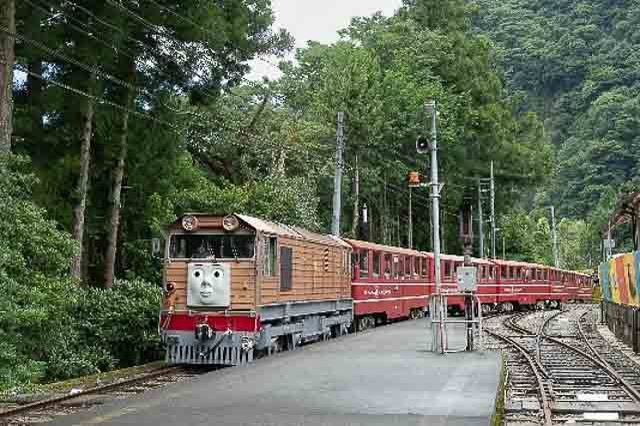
50,328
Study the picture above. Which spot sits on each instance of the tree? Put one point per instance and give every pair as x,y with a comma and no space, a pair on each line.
7,57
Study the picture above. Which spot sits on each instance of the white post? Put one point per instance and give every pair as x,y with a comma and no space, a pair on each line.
493,214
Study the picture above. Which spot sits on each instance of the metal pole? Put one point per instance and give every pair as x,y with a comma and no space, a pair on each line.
504,248
431,107
608,247
410,220
480,220
337,184
493,214
556,259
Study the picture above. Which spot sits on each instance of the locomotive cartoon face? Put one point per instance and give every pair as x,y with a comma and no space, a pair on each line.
209,285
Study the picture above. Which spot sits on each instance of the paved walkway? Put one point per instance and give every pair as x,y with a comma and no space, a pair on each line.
380,377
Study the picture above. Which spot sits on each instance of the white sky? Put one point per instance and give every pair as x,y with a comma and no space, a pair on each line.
317,20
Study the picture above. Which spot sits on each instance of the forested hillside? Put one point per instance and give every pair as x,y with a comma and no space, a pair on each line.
576,64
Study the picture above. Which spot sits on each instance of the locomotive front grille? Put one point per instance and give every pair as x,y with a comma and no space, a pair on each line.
191,354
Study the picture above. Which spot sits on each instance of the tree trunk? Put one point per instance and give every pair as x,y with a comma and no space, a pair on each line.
118,176
7,59
34,91
83,182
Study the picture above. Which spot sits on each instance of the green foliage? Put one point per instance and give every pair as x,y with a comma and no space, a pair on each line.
49,327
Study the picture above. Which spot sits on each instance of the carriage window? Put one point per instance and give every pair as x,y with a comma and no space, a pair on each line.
375,268
424,267
416,265
492,272
484,272
447,269
364,263
388,264
202,246
545,274
396,266
503,271
407,266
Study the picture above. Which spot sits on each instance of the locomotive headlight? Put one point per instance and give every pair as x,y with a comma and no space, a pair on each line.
230,223
190,223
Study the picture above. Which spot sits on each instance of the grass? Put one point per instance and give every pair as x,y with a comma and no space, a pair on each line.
496,418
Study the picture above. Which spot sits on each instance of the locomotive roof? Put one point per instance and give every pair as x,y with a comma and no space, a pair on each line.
275,228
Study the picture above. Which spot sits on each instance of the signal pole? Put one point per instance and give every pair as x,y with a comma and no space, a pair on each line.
337,184
410,220
493,214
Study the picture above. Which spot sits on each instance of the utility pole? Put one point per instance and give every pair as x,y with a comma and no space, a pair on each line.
556,259
480,220
504,247
492,190
337,184
410,220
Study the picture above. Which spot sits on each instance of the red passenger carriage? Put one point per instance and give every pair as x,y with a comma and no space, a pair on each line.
388,283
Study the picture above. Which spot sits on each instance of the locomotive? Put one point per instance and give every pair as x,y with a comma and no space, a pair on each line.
236,286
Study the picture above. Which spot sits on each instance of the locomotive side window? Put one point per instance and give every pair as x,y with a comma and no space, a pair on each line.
416,265
270,256
484,272
388,264
407,266
286,268
375,269
202,246
364,263
503,271
424,267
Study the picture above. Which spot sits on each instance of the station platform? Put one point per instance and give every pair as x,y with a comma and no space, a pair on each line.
383,376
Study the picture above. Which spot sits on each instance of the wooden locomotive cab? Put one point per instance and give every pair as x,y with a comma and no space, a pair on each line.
236,285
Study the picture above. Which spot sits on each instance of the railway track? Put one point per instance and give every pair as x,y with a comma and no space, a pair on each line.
561,371
49,407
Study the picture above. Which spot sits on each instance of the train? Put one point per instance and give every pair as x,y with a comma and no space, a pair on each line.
237,287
